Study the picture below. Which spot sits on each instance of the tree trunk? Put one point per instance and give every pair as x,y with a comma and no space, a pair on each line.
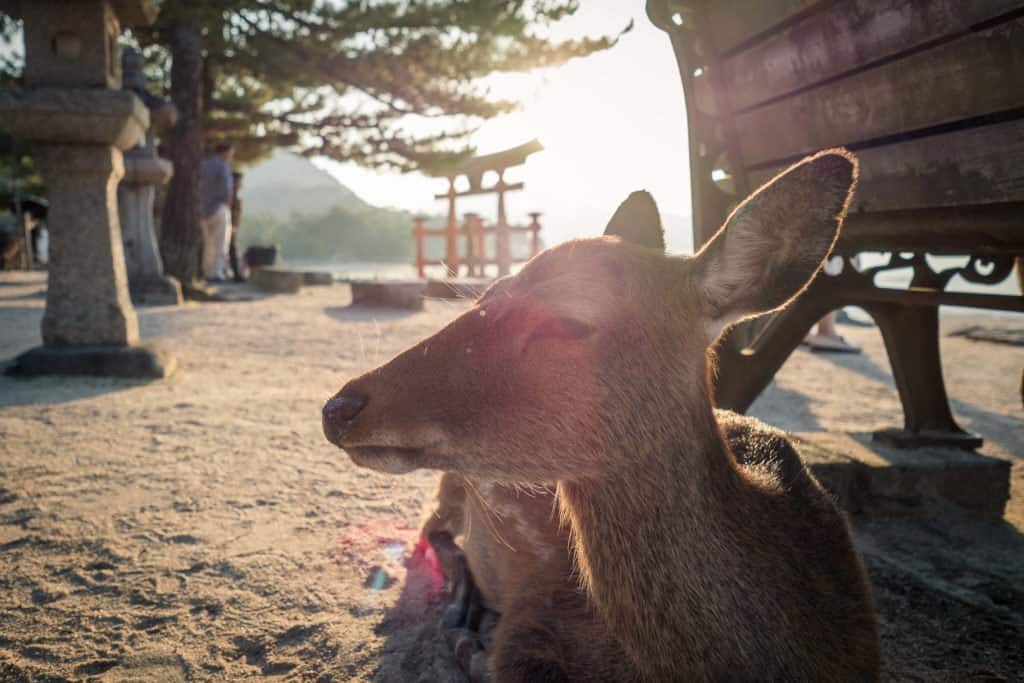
180,232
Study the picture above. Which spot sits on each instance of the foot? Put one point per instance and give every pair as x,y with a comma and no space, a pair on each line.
829,343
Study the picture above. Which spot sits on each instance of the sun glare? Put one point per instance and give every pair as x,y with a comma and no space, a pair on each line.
610,124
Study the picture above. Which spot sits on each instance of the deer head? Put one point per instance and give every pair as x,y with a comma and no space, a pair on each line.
596,346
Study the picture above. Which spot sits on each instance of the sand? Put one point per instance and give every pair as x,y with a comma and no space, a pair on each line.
202,529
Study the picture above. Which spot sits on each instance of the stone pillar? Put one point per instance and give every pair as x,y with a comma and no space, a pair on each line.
87,294
79,122
501,233
144,171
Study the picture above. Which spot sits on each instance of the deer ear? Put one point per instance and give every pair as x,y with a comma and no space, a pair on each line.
773,244
637,221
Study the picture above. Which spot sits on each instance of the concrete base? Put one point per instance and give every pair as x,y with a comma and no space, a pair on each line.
162,291
139,362
463,288
406,294
868,476
277,280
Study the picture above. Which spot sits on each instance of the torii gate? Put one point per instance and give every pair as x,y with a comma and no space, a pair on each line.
474,170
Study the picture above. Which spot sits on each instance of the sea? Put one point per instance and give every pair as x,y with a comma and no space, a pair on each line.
890,279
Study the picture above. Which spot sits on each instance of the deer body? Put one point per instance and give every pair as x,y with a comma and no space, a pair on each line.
588,369
518,554
735,598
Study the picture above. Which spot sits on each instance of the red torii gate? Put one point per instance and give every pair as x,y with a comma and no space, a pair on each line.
474,230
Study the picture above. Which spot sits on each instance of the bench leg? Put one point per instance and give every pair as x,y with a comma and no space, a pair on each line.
911,335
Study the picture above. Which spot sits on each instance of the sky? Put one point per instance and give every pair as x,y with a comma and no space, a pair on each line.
610,123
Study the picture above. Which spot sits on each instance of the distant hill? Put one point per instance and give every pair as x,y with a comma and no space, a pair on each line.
309,215
287,183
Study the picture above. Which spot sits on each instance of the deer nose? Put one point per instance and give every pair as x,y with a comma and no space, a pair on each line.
338,414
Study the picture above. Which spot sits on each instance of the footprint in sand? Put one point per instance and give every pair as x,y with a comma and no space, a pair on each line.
147,667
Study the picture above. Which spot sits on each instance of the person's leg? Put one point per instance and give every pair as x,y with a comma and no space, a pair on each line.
827,338
223,235
827,325
209,250
236,270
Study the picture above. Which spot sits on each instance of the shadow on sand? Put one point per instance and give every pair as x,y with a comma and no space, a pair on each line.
57,390
970,416
950,595
415,648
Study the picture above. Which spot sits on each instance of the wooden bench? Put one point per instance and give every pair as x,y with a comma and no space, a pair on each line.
930,95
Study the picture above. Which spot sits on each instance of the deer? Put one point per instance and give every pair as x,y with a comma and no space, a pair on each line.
590,371
514,560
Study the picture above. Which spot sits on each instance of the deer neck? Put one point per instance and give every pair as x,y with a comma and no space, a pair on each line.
650,538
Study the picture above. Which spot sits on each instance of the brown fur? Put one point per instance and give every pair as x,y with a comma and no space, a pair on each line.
518,555
588,370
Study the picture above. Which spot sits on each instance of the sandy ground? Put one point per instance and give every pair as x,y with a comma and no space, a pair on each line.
202,528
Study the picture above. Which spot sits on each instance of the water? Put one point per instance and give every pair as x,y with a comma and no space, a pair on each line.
893,279
370,270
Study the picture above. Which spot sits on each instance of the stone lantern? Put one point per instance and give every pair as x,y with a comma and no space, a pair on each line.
78,121
144,170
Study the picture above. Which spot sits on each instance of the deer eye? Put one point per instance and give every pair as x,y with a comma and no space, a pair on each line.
565,329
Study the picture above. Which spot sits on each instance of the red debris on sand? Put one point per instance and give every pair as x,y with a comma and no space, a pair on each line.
384,543
424,562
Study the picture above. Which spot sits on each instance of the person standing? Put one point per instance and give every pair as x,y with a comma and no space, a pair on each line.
215,188
827,339
236,222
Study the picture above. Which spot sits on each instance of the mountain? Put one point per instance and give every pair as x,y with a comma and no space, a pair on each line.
287,183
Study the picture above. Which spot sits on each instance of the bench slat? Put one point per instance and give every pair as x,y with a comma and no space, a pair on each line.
736,21
974,166
930,297
973,76
846,36
990,230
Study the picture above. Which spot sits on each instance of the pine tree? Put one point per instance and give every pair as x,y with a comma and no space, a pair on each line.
339,79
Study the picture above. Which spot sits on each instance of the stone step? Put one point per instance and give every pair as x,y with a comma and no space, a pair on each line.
406,294
866,476
277,280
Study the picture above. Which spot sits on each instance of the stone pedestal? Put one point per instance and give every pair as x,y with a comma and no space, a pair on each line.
87,295
407,294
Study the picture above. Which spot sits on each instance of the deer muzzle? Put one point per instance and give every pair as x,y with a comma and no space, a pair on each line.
338,414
